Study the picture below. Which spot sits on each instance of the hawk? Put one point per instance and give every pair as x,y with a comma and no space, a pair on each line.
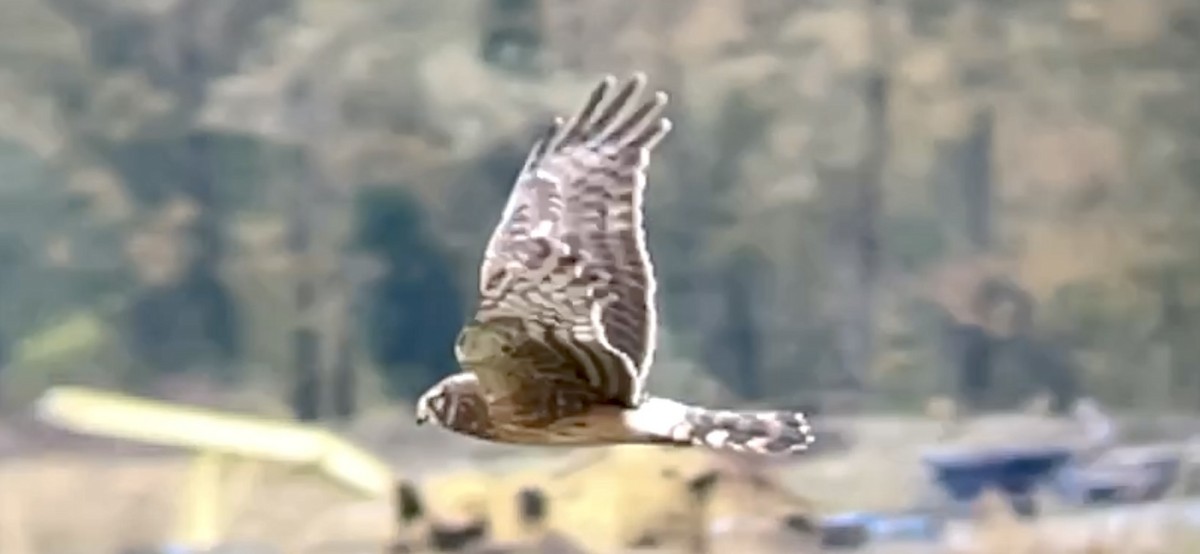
564,333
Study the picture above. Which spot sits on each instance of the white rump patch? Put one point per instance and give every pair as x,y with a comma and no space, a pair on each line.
661,417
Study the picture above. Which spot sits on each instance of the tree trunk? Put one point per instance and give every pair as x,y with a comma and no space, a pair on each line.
855,196
306,342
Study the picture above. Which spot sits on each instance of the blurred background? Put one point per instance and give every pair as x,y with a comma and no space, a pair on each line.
924,221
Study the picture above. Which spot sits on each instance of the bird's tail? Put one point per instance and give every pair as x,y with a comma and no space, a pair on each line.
757,432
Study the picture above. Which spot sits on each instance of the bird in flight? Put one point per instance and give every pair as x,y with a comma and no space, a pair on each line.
563,336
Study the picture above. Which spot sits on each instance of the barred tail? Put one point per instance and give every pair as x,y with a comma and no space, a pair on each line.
761,432
757,432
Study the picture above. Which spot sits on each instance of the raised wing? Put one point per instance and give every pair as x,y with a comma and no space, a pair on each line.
570,249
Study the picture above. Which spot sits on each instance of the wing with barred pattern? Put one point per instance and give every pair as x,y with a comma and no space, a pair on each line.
569,254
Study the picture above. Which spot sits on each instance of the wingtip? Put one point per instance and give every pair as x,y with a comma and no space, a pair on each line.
607,81
599,92
637,81
665,125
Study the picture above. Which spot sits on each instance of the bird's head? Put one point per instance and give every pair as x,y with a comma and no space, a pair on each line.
486,343
452,402
433,405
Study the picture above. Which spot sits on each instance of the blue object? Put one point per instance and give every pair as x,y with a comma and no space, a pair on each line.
908,527
1144,479
862,527
1016,472
845,531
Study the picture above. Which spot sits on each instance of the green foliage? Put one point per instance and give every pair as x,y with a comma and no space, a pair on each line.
414,311
81,348
36,216
120,112
77,333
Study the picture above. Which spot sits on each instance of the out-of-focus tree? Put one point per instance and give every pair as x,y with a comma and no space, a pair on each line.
1049,147
133,114
414,311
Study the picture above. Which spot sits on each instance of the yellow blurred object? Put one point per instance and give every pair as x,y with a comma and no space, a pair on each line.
218,440
459,497
200,523
630,495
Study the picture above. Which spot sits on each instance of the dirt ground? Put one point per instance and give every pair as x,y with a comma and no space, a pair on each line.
64,495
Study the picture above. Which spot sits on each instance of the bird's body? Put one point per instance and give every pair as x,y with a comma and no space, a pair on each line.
594,425
563,337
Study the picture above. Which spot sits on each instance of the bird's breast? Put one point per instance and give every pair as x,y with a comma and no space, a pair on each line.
601,425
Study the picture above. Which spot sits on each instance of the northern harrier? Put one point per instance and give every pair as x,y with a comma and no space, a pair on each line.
564,333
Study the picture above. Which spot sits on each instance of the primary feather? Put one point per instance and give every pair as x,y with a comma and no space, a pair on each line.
569,253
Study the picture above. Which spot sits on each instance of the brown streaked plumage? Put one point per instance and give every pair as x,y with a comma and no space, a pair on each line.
564,334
